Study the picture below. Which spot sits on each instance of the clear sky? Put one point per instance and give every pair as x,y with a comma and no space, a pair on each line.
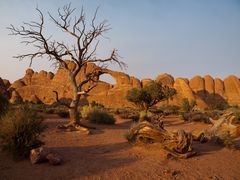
180,37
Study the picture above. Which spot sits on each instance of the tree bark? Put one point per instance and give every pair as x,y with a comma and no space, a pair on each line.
73,111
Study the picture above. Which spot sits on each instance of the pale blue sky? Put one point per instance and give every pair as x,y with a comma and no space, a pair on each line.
180,37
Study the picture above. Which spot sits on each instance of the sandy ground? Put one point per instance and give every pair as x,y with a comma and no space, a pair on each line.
107,155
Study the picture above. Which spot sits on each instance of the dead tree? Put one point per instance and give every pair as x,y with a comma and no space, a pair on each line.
221,128
81,52
177,144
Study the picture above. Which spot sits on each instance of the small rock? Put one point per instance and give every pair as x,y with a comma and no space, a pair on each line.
176,173
54,159
38,155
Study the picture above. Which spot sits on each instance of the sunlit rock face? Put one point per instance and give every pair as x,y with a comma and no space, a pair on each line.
39,86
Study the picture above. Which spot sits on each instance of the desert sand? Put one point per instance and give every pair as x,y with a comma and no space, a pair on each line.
106,154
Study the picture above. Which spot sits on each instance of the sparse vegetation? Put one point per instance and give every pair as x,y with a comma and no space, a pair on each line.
150,95
20,129
100,116
85,110
3,105
195,116
169,109
188,106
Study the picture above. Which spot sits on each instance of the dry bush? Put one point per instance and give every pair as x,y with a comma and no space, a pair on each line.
195,116
20,129
3,105
169,109
99,116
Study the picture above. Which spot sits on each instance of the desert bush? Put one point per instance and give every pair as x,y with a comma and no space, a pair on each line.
214,114
195,116
100,117
169,109
49,111
188,106
3,105
85,110
95,104
127,113
20,129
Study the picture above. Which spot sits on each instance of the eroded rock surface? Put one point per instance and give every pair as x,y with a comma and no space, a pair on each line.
39,87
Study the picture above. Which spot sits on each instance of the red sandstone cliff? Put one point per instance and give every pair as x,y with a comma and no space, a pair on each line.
39,86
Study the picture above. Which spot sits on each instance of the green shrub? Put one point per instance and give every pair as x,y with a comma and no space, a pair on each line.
169,109
187,105
19,131
85,110
3,105
195,116
40,107
100,117
218,105
49,111
95,104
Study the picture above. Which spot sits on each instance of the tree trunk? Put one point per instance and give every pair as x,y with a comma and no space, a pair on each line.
73,110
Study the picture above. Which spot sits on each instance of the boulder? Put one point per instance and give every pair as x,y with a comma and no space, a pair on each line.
197,84
39,155
219,87
209,84
54,159
232,89
43,154
165,79
183,90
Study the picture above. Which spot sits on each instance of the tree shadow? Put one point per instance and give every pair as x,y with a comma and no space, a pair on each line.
93,159
206,148
123,125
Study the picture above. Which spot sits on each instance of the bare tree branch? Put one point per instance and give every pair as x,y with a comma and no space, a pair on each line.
81,52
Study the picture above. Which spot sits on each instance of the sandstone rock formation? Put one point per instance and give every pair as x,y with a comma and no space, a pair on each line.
165,79
232,89
39,87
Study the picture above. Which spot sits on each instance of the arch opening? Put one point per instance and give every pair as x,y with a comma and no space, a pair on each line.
107,78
